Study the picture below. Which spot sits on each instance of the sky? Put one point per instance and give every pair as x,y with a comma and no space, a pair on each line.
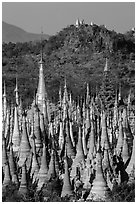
54,16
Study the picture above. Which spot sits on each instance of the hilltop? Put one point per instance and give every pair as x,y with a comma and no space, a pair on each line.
77,53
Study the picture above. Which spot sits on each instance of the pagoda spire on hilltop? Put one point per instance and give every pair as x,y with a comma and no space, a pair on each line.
77,23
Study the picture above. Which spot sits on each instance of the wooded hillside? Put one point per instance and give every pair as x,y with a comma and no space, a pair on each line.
79,54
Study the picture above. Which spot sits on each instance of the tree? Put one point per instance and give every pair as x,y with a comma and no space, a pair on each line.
107,91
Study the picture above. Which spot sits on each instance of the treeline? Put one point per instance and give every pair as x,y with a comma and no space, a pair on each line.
95,38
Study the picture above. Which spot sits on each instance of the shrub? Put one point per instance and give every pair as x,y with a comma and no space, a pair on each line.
123,193
10,193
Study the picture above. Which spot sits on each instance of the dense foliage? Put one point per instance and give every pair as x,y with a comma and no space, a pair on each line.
79,54
123,193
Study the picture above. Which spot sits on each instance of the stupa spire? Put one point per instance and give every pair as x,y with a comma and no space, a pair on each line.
84,140
16,133
4,102
87,96
37,132
104,134
115,113
24,151
41,44
69,145
65,100
131,165
80,152
7,126
105,161
129,97
4,93
17,92
35,164
71,133
119,94
52,170
92,147
23,189
7,177
87,121
11,124
106,66
41,91
125,151
99,184
120,138
60,97
77,23
43,172
61,136
66,189
12,166
4,152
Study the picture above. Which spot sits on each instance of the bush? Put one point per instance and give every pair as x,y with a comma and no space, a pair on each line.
123,193
10,193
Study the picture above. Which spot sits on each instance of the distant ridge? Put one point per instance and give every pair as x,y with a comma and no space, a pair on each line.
11,33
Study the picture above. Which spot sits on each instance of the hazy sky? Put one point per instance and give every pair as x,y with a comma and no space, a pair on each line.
53,16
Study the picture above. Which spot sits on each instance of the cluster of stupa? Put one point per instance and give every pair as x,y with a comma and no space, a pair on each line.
75,143
82,22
